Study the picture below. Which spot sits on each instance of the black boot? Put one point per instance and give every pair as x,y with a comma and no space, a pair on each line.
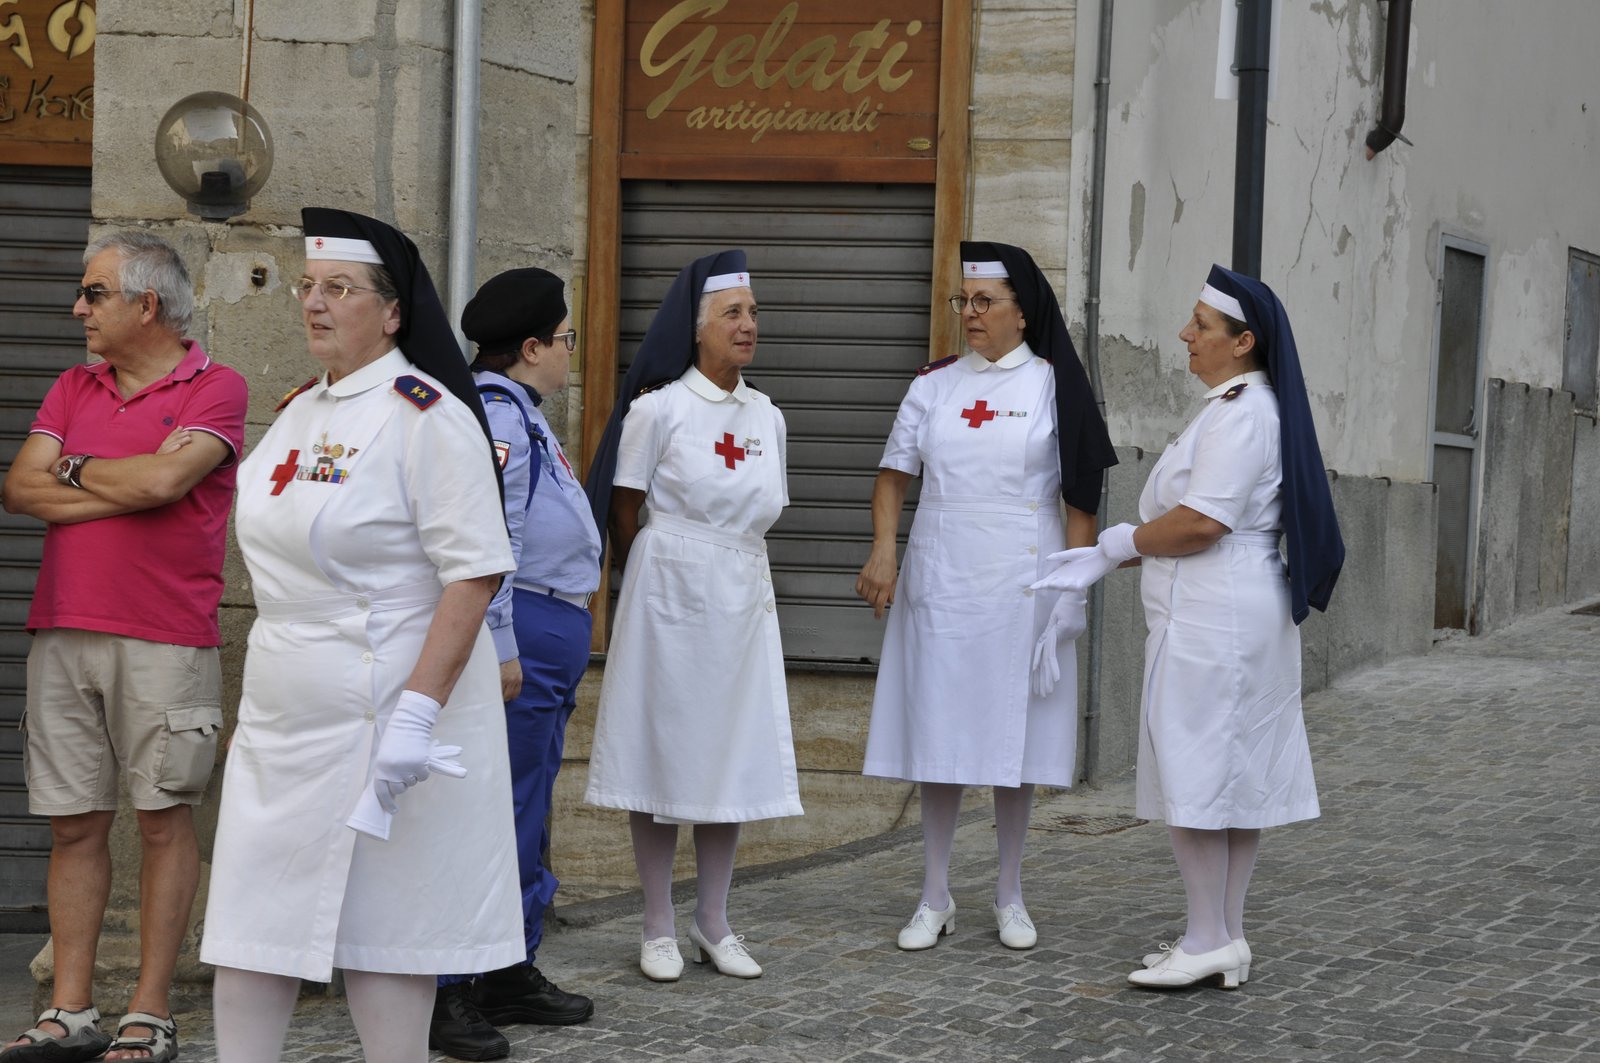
522,994
458,1030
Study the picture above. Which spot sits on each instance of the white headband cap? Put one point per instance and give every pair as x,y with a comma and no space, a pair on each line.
984,270
1222,301
725,280
341,249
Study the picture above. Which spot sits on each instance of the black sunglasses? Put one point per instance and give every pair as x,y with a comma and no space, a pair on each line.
94,293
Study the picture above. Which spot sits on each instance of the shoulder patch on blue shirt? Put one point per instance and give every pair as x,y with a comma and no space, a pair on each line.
295,393
414,391
940,364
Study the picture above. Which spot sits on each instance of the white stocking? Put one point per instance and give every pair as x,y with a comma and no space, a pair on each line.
655,845
941,805
1242,848
714,848
1012,806
391,1013
1202,857
252,1012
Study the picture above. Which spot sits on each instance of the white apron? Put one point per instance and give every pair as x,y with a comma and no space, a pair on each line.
1222,742
953,702
693,723
349,542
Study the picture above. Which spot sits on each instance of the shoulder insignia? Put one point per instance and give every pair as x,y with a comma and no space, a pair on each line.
295,393
414,391
940,364
495,395
652,387
1235,391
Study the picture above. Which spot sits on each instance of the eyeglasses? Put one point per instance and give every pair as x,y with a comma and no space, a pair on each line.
332,289
570,337
980,303
93,293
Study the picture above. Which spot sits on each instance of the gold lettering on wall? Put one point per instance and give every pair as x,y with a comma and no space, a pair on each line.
47,80
855,68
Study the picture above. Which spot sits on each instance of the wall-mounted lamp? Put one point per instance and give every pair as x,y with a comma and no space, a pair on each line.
215,150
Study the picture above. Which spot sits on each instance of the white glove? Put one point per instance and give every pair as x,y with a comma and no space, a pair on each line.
406,755
1068,620
1084,566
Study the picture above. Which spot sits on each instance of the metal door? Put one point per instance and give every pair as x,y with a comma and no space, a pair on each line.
841,272
1582,344
44,224
1456,399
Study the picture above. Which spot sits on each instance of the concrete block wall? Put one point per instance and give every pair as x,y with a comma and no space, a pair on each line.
1524,513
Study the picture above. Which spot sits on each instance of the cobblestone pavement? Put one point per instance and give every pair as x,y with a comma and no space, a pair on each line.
1444,908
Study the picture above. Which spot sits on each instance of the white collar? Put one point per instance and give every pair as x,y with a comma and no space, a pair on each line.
1255,376
1021,356
701,385
370,375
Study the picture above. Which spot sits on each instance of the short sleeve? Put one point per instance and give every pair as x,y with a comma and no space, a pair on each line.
54,412
216,404
451,483
1231,457
901,452
643,441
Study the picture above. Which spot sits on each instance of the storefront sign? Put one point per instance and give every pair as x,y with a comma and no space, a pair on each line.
46,81
755,88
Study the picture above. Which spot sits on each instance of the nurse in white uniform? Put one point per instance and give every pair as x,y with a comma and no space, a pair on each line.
369,519
1222,742
693,725
977,684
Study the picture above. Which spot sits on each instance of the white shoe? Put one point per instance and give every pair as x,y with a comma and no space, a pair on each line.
1153,958
729,954
1178,969
926,927
1016,929
660,961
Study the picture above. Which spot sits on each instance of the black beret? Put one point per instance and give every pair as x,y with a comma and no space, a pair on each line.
513,306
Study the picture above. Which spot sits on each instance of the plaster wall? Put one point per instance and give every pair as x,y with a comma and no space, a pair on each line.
1503,99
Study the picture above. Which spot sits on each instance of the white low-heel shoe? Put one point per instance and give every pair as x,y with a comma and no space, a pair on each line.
1153,958
1178,969
1016,929
729,954
926,927
660,960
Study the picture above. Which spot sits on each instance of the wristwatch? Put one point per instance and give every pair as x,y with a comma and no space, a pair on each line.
69,470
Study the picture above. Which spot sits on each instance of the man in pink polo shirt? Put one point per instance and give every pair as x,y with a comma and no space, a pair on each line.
131,463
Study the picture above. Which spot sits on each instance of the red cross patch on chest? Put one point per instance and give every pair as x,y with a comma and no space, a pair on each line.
979,414
728,452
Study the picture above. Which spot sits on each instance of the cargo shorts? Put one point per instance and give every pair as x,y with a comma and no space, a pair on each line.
97,702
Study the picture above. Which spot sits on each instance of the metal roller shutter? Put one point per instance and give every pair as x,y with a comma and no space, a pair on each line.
842,274
44,224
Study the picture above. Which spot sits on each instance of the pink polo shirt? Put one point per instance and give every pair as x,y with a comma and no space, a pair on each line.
155,574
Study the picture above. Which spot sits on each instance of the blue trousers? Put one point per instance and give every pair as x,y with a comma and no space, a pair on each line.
553,646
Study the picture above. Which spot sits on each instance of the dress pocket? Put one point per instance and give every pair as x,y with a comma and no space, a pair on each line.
188,748
675,589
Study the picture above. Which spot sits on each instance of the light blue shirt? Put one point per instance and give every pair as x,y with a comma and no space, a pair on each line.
553,536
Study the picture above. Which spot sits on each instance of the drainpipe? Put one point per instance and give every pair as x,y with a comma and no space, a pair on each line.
1396,53
464,163
1250,152
1091,346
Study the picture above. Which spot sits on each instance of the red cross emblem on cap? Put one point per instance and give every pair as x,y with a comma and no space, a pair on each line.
973,266
318,243
742,278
